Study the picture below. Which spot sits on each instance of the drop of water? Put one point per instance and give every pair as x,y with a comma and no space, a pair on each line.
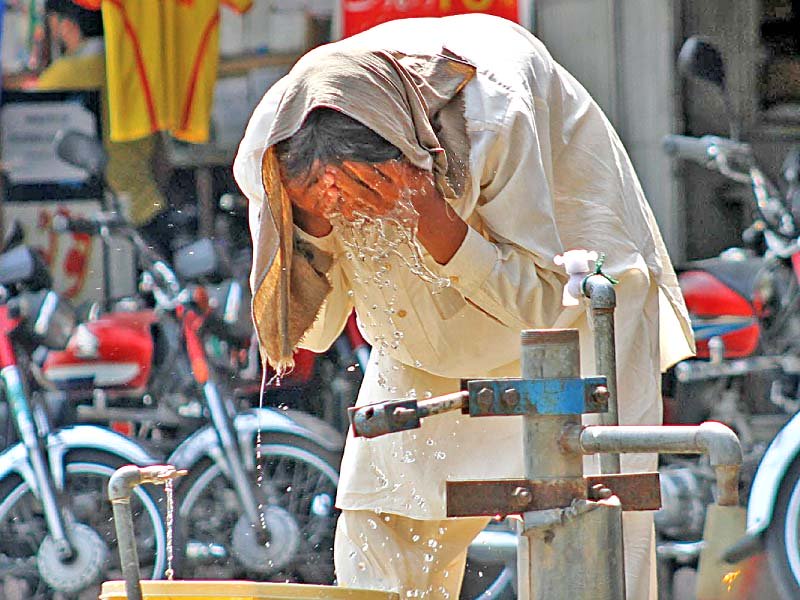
415,538
407,457
372,524
428,557
362,567
427,394
430,442
440,455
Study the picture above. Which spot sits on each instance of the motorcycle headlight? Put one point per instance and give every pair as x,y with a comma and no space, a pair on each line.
47,319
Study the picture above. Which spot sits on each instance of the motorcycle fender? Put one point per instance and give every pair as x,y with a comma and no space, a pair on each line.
780,454
59,443
204,443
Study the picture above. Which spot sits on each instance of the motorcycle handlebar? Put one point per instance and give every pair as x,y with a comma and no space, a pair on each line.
66,224
689,148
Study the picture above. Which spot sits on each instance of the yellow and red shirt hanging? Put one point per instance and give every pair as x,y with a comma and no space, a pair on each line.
161,65
360,15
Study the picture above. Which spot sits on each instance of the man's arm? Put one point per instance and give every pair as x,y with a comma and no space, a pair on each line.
503,264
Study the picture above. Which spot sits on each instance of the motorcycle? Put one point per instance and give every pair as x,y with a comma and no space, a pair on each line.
257,502
744,306
56,532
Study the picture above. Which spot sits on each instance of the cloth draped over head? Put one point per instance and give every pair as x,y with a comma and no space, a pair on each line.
411,101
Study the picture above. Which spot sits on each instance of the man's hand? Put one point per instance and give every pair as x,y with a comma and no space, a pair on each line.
373,190
311,201
440,229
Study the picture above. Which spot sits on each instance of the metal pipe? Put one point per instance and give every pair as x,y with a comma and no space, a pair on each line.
120,488
603,301
442,404
555,541
716,440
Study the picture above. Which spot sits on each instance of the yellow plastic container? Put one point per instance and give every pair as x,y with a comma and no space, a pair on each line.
240,590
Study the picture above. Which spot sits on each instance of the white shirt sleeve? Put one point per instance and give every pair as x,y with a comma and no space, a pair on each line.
506,271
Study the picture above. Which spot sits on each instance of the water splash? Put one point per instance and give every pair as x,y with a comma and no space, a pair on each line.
169,573
377,239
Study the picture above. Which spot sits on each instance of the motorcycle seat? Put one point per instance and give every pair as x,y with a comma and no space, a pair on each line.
741,275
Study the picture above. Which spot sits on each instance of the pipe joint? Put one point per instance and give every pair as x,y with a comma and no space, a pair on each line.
600,292
125,479
721,444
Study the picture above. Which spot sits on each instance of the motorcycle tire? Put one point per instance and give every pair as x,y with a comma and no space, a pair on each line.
783,535
23,528
304,476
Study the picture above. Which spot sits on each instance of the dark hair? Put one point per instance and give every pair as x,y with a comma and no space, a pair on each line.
330,136
90,22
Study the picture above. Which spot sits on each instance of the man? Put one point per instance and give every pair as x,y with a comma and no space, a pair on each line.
506,162
81,66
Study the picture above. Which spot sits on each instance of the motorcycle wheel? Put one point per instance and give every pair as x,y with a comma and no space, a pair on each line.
23,528
783,535
492,582
303,476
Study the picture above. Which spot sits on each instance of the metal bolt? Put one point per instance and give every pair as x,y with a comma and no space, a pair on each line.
521,496
510,397
485,398
600,492
600,394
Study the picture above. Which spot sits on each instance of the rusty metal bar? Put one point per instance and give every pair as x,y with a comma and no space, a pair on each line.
510,496
635,491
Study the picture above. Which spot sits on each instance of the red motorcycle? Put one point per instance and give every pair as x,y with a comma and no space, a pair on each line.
56,536
745,311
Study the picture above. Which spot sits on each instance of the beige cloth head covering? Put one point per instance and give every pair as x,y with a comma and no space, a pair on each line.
411,101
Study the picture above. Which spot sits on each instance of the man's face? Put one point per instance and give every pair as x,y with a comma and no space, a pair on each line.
355,189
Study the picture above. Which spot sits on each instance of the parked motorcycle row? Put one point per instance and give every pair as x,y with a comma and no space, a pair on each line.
145,380
745,309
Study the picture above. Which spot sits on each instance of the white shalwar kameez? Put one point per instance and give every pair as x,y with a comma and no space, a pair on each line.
548,173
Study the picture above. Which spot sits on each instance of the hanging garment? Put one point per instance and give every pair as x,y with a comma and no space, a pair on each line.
162,60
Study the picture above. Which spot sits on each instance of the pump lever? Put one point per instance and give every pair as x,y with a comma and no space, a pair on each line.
380,418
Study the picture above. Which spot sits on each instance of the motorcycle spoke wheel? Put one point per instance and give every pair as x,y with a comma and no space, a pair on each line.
302,479
23,528
783,535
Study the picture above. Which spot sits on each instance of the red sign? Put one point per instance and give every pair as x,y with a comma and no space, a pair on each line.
359,15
